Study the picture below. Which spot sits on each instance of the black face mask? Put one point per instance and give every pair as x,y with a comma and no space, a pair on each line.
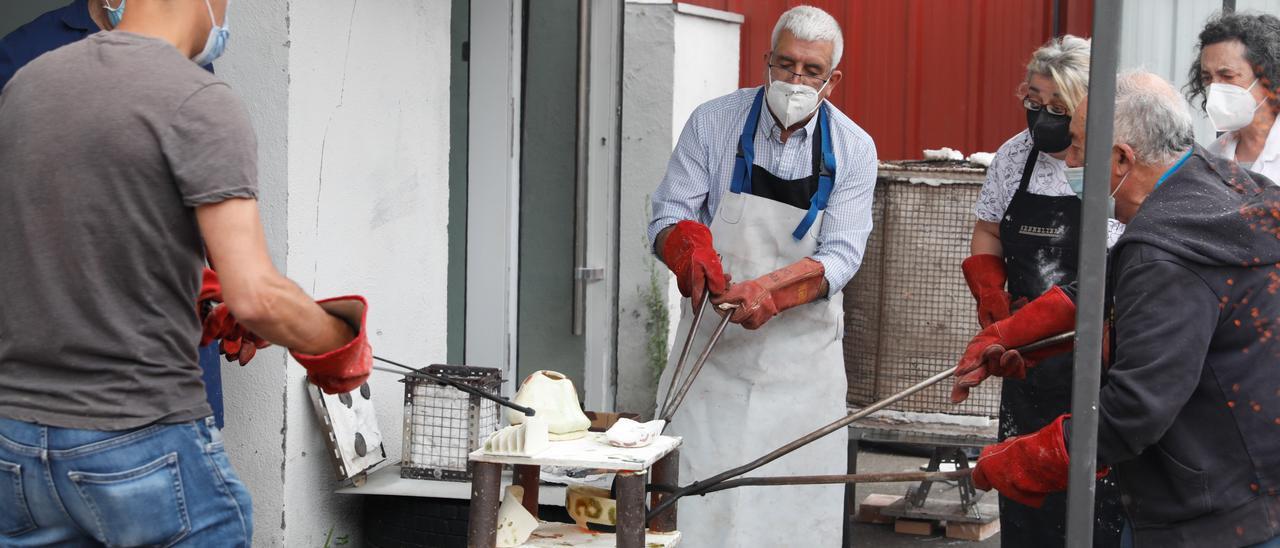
1051,133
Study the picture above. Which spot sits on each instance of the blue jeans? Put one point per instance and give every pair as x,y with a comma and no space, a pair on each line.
163,485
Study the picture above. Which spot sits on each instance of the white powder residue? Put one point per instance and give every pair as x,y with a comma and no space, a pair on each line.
890,416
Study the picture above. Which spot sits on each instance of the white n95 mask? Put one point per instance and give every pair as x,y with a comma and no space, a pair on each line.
791,102
1230,107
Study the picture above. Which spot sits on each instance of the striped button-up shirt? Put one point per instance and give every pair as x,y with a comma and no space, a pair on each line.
701,167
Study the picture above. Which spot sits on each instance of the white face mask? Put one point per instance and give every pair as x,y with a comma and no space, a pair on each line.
791,103
1111,200
1231,107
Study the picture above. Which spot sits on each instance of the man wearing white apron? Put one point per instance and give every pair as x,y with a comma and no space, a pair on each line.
787,193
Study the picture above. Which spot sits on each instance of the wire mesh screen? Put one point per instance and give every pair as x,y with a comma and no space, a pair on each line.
908,312
442,424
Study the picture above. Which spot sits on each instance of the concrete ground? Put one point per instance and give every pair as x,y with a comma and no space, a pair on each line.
875,459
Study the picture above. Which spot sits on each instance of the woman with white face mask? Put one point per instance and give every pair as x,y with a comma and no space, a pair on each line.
1234,80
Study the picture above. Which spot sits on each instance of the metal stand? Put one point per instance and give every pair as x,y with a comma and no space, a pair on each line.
917,495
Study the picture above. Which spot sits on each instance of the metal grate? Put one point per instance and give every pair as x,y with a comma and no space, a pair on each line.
442,424
908,312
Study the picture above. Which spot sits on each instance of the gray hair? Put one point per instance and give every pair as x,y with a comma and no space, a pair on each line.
1151,118
1064,60
813,25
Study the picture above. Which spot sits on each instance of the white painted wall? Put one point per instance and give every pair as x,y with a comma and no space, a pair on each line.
350,102
1161,35
368,209
675,57
256,66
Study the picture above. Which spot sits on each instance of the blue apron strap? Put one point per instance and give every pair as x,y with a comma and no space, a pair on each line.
741,181
826,177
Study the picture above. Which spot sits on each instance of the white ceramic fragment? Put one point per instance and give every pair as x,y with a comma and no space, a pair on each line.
944,153
515,524
590,505
981,158
629,433
520,440
555,400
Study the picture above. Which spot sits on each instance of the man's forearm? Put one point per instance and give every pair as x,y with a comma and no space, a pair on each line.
661,241
286,316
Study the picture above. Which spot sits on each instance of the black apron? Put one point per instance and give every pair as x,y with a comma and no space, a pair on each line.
1040,236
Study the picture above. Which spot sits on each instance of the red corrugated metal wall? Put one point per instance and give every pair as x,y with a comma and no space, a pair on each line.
923,73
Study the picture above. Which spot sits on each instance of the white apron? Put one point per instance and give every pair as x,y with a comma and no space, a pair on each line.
759,390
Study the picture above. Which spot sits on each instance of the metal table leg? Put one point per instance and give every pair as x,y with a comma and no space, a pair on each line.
528,476
630,493
665,472
850,493
486,497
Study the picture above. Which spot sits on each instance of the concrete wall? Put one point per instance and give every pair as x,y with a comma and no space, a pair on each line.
256,66
676,57
350,102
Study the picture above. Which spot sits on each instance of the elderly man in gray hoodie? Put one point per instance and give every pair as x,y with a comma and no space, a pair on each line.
1189,413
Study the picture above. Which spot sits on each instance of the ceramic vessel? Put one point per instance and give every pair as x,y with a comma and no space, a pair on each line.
554,399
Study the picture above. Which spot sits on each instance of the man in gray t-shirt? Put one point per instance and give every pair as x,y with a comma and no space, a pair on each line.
102,228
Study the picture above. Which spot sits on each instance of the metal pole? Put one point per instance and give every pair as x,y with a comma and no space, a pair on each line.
1092,273
582,274
1228,5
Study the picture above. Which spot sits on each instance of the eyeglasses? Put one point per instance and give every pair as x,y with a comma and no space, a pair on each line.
1030,104
780,72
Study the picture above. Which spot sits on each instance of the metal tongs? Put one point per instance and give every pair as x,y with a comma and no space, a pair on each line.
422,374
722,480
675,397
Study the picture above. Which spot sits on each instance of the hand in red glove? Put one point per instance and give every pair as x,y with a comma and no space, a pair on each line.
763,298
690,255
1026,468
986,278
237,343
347,367
988,353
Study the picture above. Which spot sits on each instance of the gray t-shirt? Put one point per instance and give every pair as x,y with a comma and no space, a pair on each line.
106,147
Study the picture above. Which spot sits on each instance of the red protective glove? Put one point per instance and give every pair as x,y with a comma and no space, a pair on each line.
1026,468
763,298
237,343
690,255
345,368
986,278
1050,314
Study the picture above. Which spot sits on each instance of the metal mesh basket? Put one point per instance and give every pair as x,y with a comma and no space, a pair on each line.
442,424
908,312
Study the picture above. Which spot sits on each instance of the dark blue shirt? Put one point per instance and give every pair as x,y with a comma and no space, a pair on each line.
51,31
46,33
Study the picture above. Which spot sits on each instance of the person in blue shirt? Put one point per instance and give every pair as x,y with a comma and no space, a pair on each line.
57,28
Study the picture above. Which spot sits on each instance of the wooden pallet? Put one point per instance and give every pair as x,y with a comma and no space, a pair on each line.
933,516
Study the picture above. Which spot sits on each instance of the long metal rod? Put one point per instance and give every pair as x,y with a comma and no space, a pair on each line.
703,486
580,169
418,374
697,368
879,477
1087,367
684,355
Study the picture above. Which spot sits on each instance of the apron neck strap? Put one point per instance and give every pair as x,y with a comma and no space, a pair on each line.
741,181
826,171
1029,169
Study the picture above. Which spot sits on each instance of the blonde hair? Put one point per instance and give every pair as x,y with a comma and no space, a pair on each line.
1064,60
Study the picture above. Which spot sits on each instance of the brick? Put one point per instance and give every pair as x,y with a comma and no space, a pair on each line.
973,531
913,527
869,510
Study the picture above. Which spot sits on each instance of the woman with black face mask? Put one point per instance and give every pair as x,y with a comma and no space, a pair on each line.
1024,242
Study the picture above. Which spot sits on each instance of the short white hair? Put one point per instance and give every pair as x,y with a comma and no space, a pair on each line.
1151,118
1064,60
812,25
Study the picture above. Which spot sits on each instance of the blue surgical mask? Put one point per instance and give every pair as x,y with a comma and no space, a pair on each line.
114,15
1075,179
216,43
